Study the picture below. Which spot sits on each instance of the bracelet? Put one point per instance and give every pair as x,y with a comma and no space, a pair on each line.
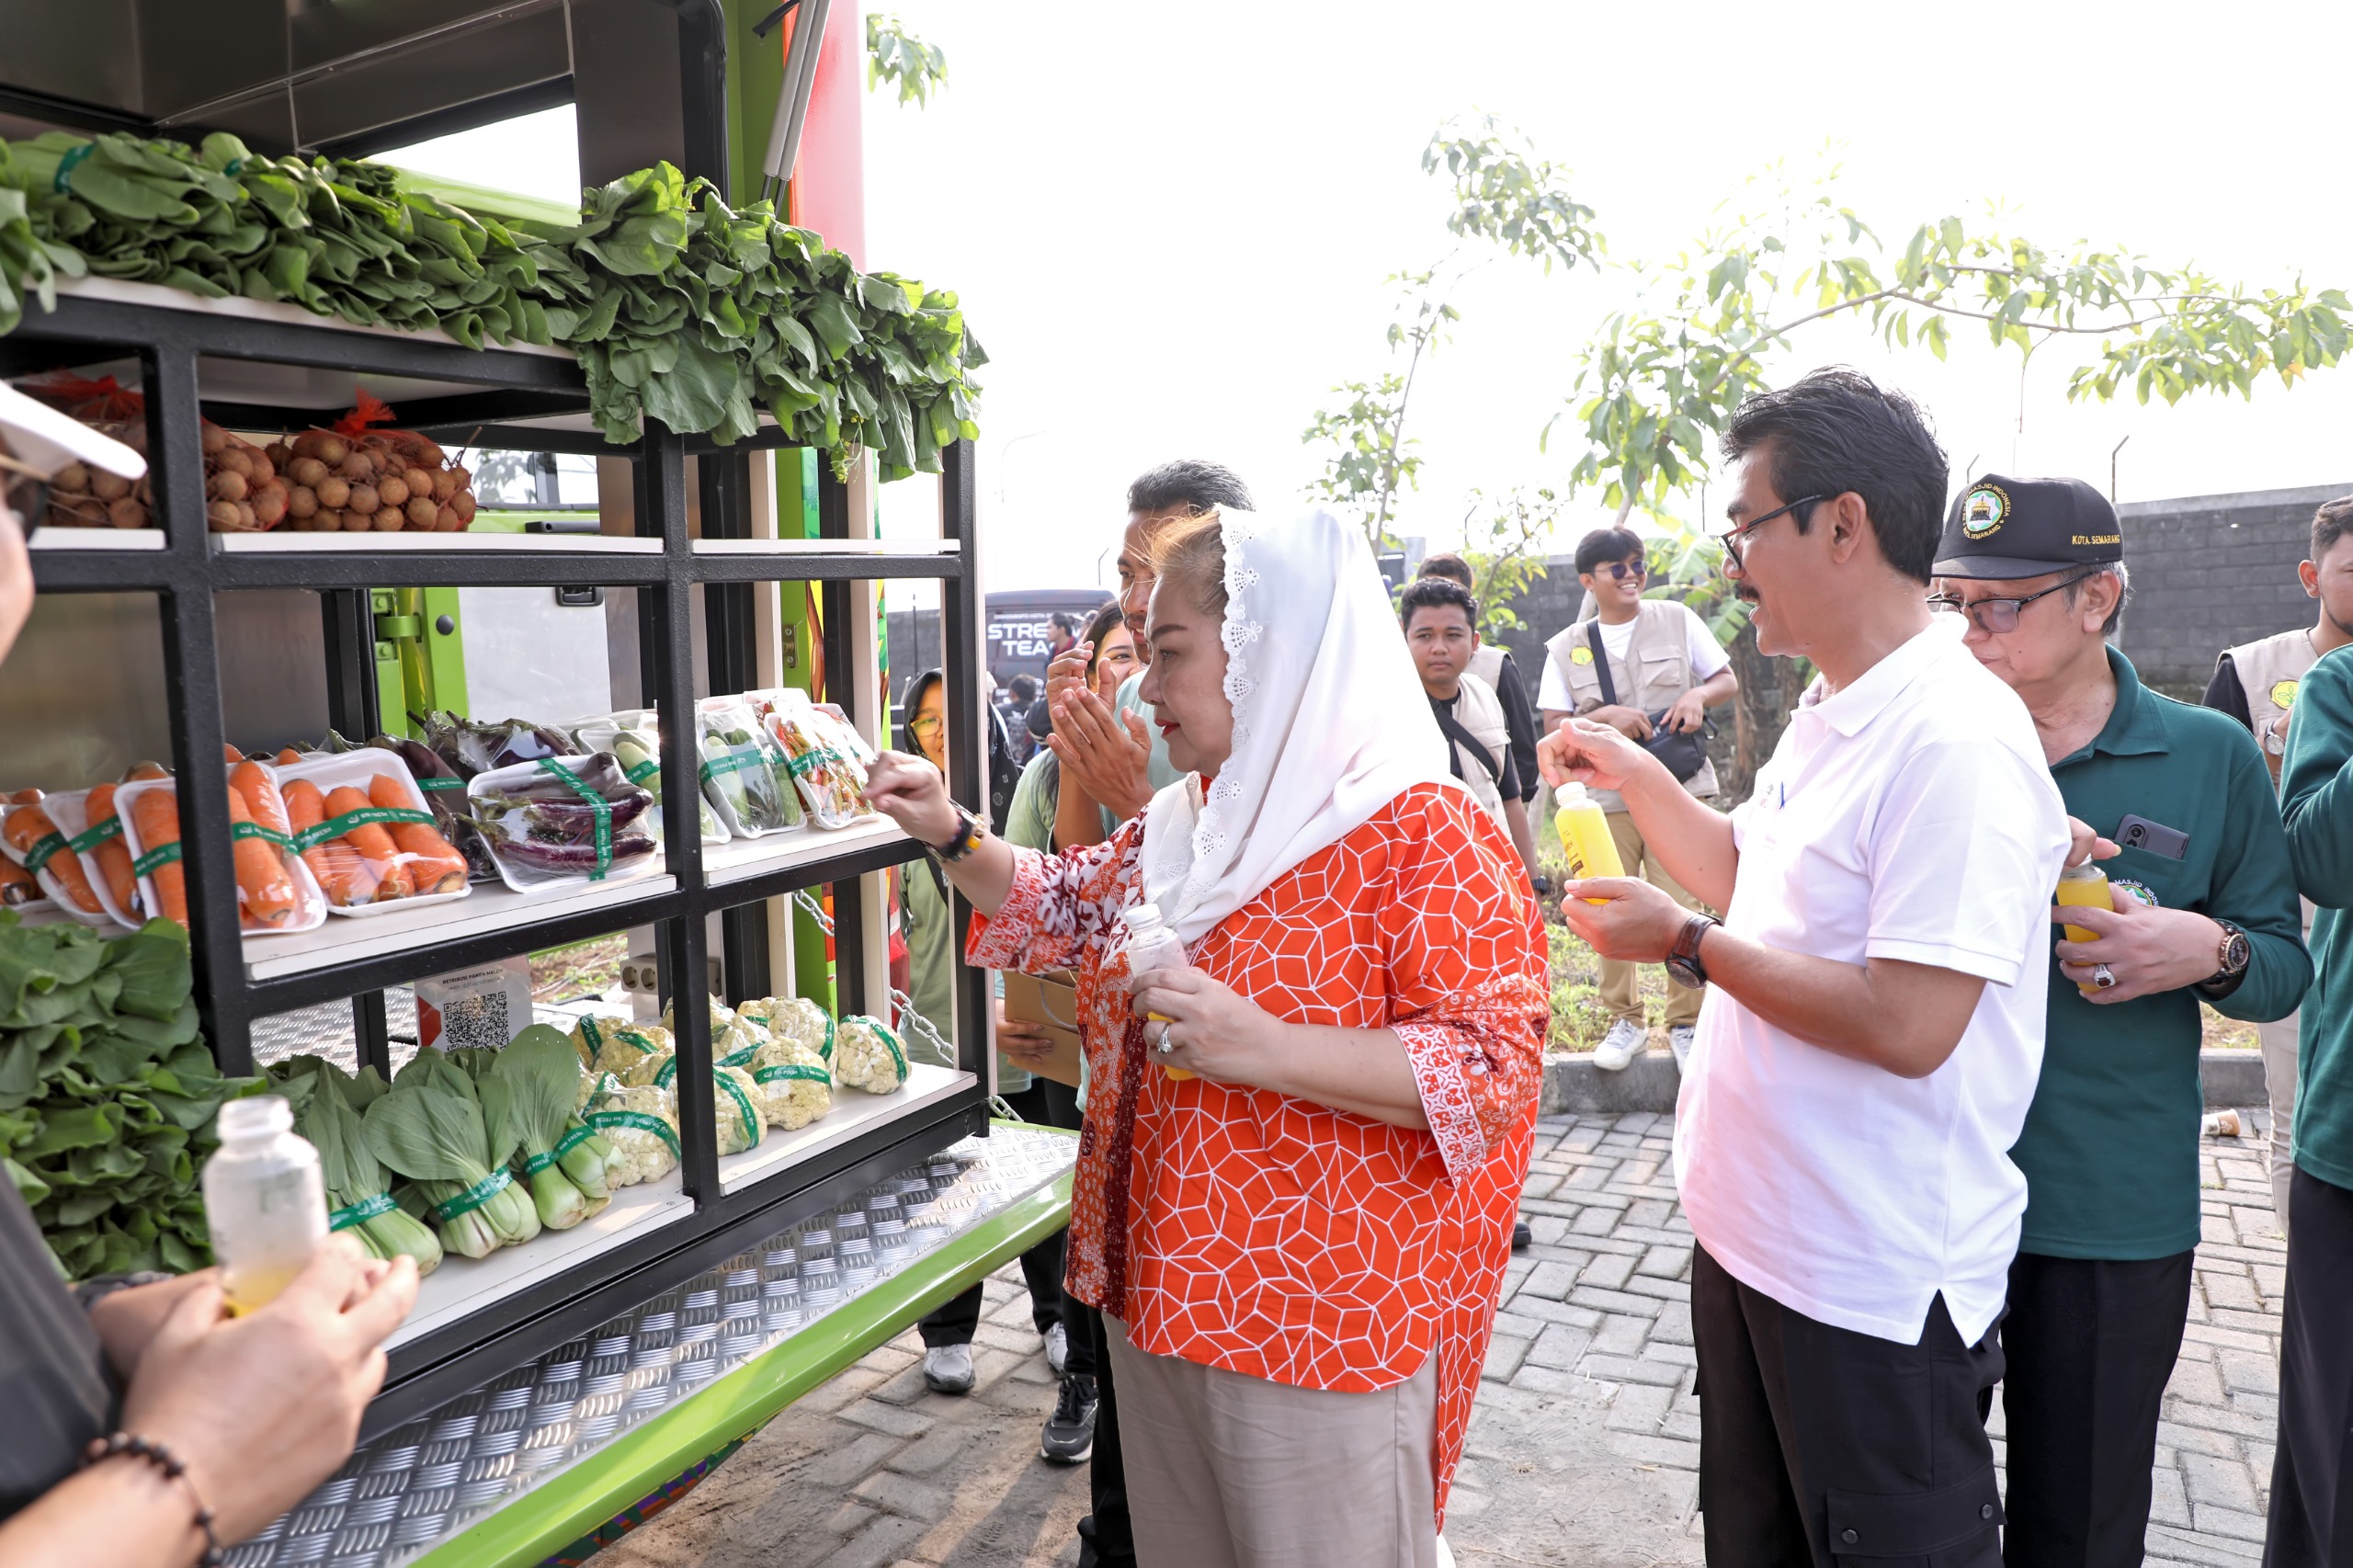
968,833
153,1452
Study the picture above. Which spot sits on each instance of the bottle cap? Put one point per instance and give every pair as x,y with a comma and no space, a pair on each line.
2086,872
257,1116
1571,794
1141,916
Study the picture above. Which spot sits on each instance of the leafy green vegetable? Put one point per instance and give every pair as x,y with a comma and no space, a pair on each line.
355,1180
106,1093
539,1073
431,1127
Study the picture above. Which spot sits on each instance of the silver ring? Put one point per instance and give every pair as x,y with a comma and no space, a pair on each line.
1168,1046
2101,977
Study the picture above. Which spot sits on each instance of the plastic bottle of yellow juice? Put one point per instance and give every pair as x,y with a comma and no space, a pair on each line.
2084,886
1583,828
1154,943
265,1200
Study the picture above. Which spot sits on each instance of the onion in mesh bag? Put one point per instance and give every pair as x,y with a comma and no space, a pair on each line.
867,1055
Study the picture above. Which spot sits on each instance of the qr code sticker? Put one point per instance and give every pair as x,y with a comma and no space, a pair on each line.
476,1022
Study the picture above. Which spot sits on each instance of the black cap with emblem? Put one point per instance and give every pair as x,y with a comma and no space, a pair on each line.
2002,527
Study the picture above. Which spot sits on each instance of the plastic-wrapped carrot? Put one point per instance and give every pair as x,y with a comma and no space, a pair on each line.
35,840
230,754
112,854
375,846
140,771
17,884
265,892
436,867
287,756
342,873
260,791
156,813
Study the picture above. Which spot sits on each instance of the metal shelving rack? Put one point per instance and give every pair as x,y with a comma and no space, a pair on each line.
512,385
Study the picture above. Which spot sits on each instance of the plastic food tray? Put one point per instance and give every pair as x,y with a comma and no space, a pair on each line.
522,772
330,770
70,813
310,903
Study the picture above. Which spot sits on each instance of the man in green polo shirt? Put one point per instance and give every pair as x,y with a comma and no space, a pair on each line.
2311,1474
2180,802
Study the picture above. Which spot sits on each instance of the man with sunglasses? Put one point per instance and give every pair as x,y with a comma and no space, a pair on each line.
1874,1018
1638,665
2205,909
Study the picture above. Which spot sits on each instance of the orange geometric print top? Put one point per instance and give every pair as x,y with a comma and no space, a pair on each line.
1241,1228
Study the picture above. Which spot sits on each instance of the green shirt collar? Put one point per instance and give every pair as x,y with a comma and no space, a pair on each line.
2135,728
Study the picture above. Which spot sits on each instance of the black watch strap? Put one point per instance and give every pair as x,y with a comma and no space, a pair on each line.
966,838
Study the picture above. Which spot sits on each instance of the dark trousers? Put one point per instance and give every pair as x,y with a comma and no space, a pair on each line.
1049,1104
2311,1474
1106,1538
2088,1344
1821,1447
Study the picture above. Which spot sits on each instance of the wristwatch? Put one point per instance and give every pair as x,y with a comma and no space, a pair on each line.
1683,965
2231,956
966,838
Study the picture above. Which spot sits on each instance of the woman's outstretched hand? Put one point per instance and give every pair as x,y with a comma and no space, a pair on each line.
910,791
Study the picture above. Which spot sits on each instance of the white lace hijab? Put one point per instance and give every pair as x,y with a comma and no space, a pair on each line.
1330,722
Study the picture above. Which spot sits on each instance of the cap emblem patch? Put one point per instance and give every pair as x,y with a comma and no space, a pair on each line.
1984,511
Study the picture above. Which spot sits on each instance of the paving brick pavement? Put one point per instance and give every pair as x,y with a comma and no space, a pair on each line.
1583,1447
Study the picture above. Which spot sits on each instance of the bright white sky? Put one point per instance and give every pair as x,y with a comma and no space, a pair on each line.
1170,226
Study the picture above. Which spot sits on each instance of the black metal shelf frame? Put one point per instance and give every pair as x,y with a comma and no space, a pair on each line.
193,567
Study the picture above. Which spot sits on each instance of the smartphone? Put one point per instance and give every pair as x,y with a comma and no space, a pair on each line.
2155,839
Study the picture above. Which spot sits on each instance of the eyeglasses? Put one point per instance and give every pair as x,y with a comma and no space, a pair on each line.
1999,615
1731,539
927,724
1621,570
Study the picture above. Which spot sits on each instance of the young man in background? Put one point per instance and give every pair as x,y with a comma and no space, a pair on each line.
1493,663
1439,619
2205,910
1874,1022
2256,683
1664,670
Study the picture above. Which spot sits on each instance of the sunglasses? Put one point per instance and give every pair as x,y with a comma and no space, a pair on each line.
1622,570
1999,615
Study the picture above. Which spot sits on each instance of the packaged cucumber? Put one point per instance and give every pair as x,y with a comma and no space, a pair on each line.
737,778
634,736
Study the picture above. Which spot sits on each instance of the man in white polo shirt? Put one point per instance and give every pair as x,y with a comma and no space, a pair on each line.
1870,1043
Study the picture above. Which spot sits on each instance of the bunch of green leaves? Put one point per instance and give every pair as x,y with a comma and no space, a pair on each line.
328,1102
334,235
435,1128
107,1094
542,1072
685,310
895,55
1504,550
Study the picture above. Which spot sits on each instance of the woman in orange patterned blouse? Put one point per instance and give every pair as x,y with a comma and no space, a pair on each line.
1299,1246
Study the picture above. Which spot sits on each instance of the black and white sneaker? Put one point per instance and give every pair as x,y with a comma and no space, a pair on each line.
1069,1436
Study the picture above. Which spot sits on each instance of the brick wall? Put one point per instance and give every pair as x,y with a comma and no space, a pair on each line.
2211,571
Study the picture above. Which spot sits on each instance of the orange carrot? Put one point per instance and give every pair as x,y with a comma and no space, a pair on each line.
140,771
27,828
21,797
230,754
260,791
437,867
156,813
341,872
286,755
264,890
375,846
113,855
17,884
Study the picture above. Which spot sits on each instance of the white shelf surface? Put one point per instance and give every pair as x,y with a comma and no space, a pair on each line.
463,1286
156,296
490,907
283,539
51,537
741,858
854,1111
825,547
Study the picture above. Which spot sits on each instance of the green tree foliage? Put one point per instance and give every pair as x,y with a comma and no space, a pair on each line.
1503,539
895,55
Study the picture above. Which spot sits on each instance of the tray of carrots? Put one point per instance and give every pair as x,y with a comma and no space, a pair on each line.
88,874
277,894
365,833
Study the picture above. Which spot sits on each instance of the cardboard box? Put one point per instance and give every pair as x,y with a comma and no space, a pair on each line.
1050,1001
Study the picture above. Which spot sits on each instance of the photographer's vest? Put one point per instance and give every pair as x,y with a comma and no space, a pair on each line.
1479,710
2268,672
1655,672
1487,663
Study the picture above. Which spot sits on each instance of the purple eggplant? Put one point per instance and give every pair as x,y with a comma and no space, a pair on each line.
578,858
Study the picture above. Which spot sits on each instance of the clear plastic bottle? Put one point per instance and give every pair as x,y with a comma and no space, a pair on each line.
1583,828
265,1200
2084,886
1153,943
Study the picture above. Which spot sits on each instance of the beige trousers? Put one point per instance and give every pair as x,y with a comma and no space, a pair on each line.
1621,977
2279,1041
1228,1470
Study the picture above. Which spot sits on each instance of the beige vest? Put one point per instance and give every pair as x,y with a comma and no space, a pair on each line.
1487,663
1478,710
2268,672
1655,670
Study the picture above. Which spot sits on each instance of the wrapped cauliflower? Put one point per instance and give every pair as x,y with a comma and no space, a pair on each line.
653,1071
794,1018
867,1055
639,1124
796,1086
730,1032
736,1109
616,1045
